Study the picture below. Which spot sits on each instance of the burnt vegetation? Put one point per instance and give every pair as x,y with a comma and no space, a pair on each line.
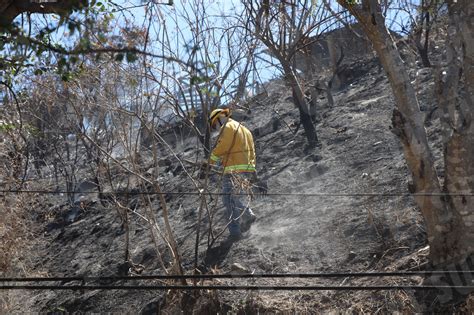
362,117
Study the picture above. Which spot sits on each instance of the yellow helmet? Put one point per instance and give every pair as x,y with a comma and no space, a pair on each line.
216,113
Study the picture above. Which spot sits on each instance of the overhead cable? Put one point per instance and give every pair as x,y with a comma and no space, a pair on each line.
246,276
233,287
322,194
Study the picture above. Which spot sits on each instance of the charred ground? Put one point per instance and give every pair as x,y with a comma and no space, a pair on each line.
293,233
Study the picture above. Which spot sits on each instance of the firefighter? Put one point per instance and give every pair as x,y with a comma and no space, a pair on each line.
235,151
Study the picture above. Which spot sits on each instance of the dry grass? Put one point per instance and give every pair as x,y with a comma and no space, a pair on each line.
14,236
12,233
14,223
470,304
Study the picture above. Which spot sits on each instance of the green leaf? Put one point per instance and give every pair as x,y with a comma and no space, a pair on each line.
84,42
66,76
119,57
38,72
32,130
133,82
211,65
198,79
22,40
4,126
131,57
102,38
62,62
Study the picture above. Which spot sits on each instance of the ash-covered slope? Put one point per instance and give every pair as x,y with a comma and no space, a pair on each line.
324,214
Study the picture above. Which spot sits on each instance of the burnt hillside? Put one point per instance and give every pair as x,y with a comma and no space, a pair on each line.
340,207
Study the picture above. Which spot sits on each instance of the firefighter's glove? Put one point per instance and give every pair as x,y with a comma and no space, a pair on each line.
259,186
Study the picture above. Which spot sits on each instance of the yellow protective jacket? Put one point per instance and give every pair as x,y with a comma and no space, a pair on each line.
235,148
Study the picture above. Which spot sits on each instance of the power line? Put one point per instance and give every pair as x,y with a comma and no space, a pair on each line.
233,287
327,194
246,276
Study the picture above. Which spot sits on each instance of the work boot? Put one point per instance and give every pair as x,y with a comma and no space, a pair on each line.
247,222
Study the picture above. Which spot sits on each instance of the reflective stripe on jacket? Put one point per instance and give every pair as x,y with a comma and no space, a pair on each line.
235,148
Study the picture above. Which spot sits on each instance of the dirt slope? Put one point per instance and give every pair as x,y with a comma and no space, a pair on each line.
293,233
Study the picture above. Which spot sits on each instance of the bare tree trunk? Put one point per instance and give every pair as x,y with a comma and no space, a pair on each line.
299,98
291,23
459,109
422,42
332,49
11,9
303,108
449,236
243,78
335,68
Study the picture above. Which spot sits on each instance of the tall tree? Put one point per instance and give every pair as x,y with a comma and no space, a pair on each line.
284,28
422,16
447,206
